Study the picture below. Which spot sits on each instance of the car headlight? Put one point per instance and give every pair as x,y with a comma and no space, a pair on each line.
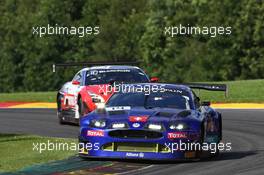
100,109
101,106
96,98
179,126
98,123
118,125
155,126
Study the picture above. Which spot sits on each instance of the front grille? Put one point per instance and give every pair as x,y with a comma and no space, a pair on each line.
136,134
135,147
116,112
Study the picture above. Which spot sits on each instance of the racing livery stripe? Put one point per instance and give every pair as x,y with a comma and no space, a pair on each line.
9,104
238,105
27,105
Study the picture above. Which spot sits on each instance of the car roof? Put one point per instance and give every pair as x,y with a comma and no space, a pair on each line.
110,67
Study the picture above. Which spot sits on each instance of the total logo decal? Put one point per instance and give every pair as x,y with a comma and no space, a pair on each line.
141,155
177,135
94,133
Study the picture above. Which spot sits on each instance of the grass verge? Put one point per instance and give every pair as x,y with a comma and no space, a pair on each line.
28,97
17,151
238,92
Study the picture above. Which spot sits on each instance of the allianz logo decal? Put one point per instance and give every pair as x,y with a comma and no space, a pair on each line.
135,155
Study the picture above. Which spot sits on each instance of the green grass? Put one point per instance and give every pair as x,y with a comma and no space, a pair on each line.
16,151
28,97
238,91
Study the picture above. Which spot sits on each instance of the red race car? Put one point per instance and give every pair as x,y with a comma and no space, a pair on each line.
93,86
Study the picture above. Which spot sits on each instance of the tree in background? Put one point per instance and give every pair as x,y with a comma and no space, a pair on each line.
203,58
130,30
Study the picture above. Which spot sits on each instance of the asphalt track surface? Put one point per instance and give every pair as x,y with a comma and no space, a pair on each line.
243,128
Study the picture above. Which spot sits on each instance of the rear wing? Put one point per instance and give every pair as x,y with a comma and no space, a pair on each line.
94,63
209,87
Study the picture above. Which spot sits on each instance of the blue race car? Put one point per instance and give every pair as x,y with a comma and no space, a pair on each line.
153,121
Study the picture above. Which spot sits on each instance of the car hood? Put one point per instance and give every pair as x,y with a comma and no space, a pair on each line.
154,115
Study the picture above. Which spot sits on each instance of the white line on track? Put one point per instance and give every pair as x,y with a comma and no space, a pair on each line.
133,171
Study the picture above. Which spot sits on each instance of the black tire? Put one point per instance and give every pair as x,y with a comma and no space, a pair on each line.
206,154
61,121
200,152
220,127
82,108
59,111
220,136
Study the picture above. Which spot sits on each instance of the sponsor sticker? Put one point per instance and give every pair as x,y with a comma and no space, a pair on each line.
177,135
69,99
143,118
118,108
94,133
141,155
136,125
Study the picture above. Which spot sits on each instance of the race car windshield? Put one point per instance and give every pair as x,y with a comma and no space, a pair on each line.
153,100
106,76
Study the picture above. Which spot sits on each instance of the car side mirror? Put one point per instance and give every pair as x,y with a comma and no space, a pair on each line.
154,79
205,103
76,82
